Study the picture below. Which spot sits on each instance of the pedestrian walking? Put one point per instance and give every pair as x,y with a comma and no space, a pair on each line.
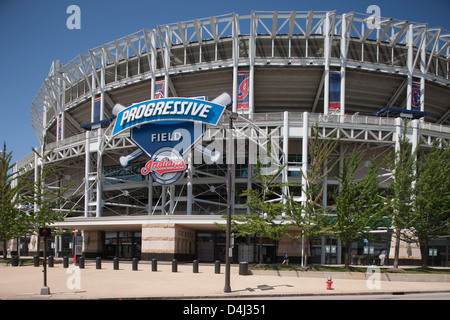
286,258
382,258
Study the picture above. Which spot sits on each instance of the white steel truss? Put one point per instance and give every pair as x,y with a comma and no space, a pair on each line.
284,126
230,40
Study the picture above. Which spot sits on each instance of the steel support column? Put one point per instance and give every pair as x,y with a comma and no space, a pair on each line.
344,46
305,138
410,63
326,52
285,173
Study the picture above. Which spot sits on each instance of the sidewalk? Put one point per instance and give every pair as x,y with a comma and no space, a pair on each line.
25,282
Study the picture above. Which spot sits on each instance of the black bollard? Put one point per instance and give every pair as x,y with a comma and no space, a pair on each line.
36,261
195,266
243,268
66,262
116,263
81,262
174,265
98,263
154,264
51,262
217,267
134,263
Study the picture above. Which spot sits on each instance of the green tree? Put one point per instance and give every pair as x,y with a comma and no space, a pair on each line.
12,221
264,207
401,190
431,210
358,205
308,213
47,193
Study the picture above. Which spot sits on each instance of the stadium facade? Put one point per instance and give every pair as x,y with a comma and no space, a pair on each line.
352,74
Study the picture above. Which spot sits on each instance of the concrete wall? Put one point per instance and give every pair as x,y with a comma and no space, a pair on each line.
92,243
167,242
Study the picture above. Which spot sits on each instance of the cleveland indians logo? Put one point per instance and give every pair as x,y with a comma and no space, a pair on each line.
166,166
243,90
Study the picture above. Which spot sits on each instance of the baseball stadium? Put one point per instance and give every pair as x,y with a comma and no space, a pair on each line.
275,75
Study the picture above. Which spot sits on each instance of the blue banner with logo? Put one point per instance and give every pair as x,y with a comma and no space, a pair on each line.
416,95
160,89
335,90
243,90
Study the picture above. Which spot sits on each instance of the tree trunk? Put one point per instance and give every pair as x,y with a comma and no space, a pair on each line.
5,249
347,253
397,249
424,253
260,250
304,256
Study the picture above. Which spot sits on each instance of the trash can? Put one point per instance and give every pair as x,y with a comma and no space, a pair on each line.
154,264
116,263
243,268
51,262
14,261
36,261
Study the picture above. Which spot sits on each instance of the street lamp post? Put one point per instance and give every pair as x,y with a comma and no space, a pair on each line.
227,288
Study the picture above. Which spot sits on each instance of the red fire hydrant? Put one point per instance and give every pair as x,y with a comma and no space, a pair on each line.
329,282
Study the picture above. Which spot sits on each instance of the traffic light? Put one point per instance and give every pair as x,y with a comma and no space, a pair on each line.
45,232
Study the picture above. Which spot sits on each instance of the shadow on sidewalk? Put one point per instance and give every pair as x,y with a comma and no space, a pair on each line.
263,287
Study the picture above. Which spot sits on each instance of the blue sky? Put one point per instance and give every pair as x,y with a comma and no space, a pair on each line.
34,33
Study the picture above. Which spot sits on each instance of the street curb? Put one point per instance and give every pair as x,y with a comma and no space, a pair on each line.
275,295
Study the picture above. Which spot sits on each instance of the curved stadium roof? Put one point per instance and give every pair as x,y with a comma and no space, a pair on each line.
199,55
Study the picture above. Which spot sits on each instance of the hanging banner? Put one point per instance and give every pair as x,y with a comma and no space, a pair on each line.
60,127
160,89
243,87
335,90
415,96
96,111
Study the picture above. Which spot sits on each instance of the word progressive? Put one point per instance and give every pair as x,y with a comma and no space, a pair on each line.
165,108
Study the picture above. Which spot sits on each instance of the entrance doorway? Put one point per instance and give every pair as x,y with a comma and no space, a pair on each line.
122,244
